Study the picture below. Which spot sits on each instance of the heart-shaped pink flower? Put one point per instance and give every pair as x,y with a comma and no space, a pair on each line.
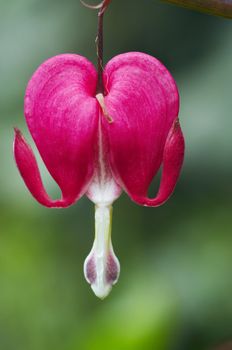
100,145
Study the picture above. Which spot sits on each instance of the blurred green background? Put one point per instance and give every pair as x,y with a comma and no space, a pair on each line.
175,288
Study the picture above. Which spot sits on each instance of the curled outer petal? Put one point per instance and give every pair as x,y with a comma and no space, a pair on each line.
62,116
172,163
29,171
143,101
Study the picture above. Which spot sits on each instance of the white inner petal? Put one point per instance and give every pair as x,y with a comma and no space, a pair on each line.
101,267
103,190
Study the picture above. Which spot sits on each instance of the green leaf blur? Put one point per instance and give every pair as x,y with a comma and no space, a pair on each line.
175,288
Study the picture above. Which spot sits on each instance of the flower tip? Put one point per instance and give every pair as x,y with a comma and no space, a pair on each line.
101,271
101,291
17,132
18,139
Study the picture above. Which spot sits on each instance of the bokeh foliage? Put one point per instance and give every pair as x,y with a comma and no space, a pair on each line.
175,287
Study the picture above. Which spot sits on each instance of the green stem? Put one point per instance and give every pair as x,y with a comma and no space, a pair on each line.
221,8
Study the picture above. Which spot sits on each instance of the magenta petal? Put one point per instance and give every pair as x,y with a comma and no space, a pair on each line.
143,102
29,171
172,163
62,115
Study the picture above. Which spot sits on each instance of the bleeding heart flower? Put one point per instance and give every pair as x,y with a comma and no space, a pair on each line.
101,145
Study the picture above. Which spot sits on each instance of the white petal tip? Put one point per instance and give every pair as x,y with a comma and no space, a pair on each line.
102,275
101,291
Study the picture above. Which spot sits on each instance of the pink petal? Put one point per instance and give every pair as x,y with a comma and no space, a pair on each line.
29,171
143,102
62,115
172,163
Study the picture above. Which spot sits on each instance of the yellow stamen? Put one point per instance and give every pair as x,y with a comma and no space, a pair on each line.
101,100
